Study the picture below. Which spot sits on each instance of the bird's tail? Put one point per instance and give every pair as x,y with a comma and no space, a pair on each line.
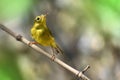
58,49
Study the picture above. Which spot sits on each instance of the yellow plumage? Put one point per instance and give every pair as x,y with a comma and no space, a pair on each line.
42,34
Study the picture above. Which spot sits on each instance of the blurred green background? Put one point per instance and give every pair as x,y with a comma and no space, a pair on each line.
87,30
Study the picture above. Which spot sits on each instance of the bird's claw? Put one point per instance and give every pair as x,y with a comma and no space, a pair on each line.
32,42
53,57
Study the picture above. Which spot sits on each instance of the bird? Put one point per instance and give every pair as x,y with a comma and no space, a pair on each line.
43,36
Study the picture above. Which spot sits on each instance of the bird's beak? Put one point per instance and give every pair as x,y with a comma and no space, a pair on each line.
46,14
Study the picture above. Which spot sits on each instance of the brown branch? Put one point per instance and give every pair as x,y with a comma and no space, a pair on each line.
20,38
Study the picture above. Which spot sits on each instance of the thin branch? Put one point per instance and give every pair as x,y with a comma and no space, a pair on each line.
20,38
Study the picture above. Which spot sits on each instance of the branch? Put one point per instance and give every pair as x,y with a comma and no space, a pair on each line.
20,38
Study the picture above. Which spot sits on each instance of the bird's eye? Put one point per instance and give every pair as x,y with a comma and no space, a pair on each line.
38,18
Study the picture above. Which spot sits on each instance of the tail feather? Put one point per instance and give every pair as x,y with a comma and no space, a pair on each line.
58,49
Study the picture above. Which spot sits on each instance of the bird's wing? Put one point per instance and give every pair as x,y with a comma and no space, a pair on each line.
49,32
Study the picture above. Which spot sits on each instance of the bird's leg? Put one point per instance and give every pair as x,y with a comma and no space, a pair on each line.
32,42
53,54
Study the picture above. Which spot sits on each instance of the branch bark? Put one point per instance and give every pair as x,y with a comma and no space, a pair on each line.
20,38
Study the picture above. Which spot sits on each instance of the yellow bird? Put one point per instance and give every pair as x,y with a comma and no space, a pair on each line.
42,35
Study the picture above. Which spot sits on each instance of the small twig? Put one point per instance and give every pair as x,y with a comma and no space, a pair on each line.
86,68
20,38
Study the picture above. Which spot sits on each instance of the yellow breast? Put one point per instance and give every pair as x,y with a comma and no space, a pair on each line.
42,37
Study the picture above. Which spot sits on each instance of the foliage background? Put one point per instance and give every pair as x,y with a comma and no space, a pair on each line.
87,30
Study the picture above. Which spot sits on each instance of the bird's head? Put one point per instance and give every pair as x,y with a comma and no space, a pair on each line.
40,19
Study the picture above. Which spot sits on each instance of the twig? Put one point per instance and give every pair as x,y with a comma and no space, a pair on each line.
86,68
20,38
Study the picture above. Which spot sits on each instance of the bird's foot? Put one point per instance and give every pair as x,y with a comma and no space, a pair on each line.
32,42
53,57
